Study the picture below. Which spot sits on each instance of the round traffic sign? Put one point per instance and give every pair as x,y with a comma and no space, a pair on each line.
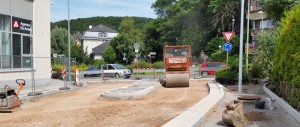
227,46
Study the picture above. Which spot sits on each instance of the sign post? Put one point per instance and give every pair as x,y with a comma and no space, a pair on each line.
227,47
136,49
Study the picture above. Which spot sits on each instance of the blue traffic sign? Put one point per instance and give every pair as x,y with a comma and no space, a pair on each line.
227,46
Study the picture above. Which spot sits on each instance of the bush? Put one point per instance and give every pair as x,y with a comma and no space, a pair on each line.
56,67
159,65
231,76
81,67
287,58
98,62
143,64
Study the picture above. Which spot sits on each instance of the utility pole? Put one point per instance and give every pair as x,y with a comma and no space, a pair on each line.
247,45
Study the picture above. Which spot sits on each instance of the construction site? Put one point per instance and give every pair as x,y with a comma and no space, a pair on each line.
176,99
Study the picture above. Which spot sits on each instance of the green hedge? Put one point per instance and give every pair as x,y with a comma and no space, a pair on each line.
230,76
286,76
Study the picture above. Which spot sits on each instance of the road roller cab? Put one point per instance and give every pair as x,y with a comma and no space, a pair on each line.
9,100
177,61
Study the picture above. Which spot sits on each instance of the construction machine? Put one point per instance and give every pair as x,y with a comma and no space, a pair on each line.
177,61
9,100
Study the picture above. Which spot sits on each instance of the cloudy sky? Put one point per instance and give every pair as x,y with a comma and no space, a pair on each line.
90,8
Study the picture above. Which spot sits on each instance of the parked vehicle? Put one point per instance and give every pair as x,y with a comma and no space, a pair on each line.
210,68
92,71
115,70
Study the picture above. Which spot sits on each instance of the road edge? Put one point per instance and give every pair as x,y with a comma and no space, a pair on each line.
289,109
194,116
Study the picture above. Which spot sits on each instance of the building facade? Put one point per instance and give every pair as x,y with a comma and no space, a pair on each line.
95,38
259,21
25,40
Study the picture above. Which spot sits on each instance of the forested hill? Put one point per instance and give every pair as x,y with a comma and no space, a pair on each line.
82,24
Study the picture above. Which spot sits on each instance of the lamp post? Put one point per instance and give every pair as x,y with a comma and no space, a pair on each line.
220,48
262,18
241,47
69,48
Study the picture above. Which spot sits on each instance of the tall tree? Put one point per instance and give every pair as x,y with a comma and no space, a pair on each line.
123,43
59,41
275,8
109,55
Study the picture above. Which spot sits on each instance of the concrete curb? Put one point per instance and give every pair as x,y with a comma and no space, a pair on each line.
289,109
132,92
194,116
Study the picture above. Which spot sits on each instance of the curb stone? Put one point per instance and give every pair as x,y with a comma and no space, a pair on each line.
194,116
289,109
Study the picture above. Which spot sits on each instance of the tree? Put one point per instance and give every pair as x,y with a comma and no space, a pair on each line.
275,8
78,53
109,55
123,43
59,41
266,41
286,76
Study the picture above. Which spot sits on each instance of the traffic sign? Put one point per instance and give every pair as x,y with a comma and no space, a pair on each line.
227,46
228,36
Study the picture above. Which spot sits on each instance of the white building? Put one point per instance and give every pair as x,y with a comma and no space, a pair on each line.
24,33
96,39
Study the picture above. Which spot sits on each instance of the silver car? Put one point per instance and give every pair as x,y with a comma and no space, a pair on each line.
115,70
92,71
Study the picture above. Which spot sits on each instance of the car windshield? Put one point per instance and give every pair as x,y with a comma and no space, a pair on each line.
117,66
93,68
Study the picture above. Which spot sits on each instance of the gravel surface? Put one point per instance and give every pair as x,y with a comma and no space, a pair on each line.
257,117
83,107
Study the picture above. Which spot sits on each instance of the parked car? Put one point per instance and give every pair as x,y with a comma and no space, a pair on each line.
210,68
92,71
115,70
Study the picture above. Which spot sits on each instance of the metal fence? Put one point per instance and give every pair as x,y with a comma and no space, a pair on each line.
35,70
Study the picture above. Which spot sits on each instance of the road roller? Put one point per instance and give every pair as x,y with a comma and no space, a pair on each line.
177,61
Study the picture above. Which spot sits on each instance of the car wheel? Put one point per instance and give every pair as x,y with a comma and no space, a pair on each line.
205,73
117,76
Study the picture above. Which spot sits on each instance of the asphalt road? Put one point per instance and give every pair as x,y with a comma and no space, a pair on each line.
194,73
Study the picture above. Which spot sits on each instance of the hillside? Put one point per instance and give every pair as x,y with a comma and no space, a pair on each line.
82,24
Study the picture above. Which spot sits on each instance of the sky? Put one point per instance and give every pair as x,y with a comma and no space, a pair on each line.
91,8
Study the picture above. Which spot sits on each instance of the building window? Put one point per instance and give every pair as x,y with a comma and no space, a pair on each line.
16,51
4,22
15,43
6,50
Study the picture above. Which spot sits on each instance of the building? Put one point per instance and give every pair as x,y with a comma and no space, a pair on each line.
24,40
78,38
96,39
258,21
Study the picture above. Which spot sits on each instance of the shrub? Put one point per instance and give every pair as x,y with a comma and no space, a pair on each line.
158,65
98,62
287,58
143,64
56,67
231,76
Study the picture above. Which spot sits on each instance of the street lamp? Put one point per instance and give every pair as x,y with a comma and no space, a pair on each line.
262,18
220,48
69,48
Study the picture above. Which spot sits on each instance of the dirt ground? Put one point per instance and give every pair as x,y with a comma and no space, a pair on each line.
256,117
83,107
